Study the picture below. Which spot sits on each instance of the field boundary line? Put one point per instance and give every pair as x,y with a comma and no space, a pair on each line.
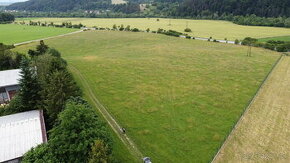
108,117
246,109
31,41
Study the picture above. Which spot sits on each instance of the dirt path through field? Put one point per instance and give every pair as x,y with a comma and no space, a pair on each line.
108,117
263,133
31,41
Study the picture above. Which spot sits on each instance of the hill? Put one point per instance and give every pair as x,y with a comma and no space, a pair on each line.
60,5
263,8
183,8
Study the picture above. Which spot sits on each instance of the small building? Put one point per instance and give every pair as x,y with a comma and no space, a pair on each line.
19,133
9,84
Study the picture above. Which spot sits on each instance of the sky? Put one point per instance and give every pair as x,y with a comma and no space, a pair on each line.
12,1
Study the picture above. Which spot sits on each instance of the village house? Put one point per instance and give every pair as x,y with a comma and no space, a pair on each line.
19,133
9,84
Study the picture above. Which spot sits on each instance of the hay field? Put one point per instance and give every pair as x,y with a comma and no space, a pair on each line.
200,28
263,134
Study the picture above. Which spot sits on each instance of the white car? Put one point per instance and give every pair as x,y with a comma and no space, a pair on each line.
146,160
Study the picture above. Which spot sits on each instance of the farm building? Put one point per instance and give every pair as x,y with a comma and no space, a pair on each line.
9,84
19,133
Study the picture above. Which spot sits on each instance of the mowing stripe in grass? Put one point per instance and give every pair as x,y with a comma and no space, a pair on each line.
247,108
108,117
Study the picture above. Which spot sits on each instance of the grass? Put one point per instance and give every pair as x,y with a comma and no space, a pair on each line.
177,98
200,28
12,33
280,38
263,133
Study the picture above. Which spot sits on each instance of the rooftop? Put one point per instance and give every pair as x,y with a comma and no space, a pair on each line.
19,133
9,77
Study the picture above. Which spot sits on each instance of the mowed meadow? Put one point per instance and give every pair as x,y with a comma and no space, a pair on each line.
12,33
200,28
177,98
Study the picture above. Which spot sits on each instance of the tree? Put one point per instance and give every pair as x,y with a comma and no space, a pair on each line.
79,126
74,137
6,18
127,28
187,30
100,152
29,87
58,89
250,42
40,50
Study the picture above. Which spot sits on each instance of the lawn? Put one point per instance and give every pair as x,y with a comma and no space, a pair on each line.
12,33
177,98
200,28
263,134
281,38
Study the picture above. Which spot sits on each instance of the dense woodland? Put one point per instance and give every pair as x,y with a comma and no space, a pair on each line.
6,18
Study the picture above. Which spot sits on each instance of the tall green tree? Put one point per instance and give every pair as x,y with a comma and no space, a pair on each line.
29,86
71,140
58,89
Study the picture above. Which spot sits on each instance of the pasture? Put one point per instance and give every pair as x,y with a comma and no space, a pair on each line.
279,38
200,28
12,33
263,133
178,99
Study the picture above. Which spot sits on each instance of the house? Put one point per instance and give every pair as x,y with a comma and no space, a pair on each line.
9,84
19,133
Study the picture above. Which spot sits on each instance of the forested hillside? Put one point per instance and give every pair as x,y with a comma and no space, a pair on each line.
263,8
157,8
60,5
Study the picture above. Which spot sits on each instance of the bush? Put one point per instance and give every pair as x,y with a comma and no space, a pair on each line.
188,37
281,48
135,30
187,30
237,41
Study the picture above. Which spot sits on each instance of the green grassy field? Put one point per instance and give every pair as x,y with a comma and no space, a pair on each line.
12,33
200,28
281,38
177,98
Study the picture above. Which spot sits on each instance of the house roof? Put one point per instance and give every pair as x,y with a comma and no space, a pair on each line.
19,133
9,77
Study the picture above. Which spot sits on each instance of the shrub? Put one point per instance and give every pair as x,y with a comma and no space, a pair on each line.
188,37
187,30
148,30
237,41
135,30
281,48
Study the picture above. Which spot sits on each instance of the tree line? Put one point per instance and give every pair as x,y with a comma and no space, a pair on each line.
6,18
75,132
